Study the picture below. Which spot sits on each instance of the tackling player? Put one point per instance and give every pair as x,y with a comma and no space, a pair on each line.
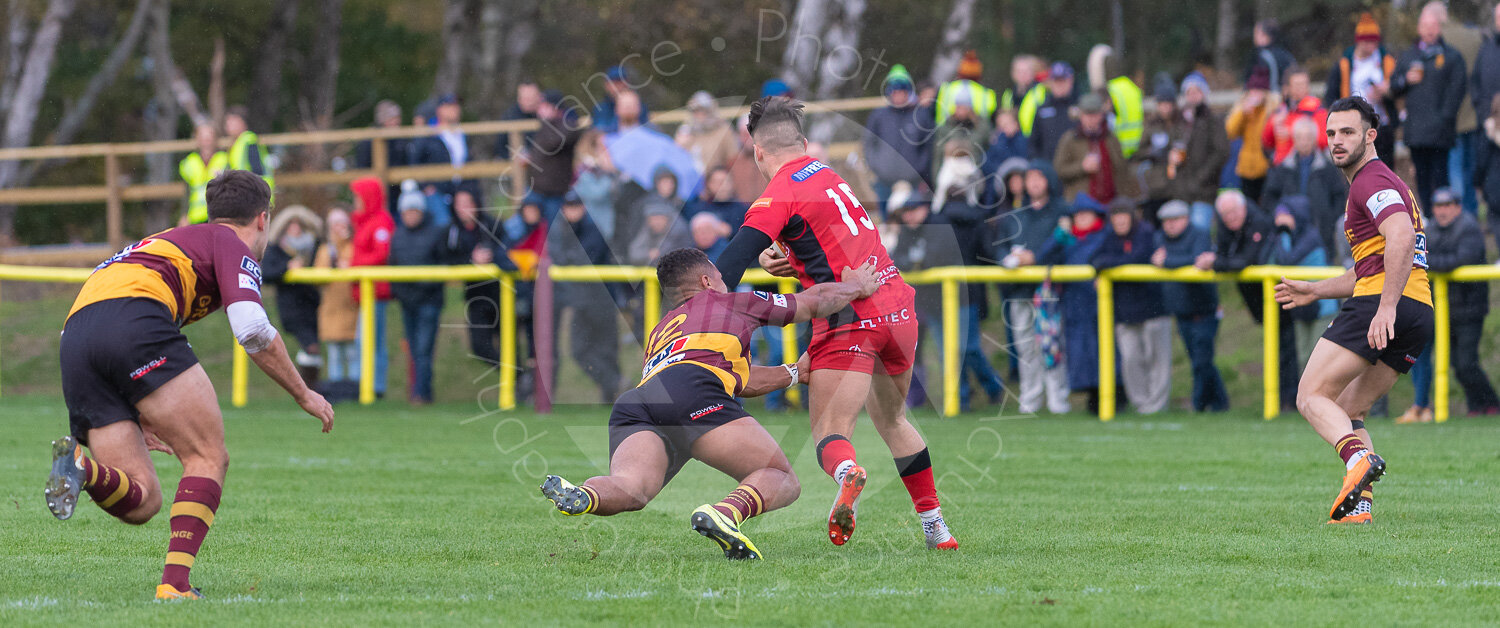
861,353
697,362
1385,322
132,383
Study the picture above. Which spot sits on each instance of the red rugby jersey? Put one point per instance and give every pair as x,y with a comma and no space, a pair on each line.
810,210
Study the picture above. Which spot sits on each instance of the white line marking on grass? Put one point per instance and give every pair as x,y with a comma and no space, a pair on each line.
32,603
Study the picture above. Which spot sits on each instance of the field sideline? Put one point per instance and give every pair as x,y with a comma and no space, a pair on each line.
432,516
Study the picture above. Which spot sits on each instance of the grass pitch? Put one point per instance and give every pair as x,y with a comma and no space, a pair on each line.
432,517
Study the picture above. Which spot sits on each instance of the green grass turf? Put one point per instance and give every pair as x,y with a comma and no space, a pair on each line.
432,517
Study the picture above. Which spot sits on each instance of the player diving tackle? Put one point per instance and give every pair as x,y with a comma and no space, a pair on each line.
696,363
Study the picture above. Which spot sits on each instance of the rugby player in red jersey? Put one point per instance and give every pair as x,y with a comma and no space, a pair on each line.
697,361
132,383
1386,320
861,355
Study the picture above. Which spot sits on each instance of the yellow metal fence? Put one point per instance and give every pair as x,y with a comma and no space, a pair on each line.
950,279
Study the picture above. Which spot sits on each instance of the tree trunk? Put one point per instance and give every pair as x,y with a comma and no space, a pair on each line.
458,24
15,53
951,48
1117,27
519,36
320,85
485,63
1229,24
161,117
804,45
265,84
841,63
73,120
20,118
217,108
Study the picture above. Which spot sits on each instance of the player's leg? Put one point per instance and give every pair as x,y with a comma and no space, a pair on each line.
116,472
1356,400
1330,370
637,471
743,450
888,412
836,397
184,413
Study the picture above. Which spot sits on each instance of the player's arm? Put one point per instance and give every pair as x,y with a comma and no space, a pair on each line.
826,299
1400,245
743,250
255,333
1292,293
768,379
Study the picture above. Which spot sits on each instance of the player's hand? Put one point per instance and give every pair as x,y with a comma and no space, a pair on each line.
804,369
864,277
776,263
1292,293
154,444
1382,328
314,404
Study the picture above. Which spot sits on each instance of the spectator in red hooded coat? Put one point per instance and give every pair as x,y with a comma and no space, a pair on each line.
373,227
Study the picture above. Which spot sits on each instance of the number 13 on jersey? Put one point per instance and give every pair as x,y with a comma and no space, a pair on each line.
864,219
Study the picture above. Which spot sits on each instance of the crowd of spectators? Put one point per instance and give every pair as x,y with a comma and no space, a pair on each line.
1057,167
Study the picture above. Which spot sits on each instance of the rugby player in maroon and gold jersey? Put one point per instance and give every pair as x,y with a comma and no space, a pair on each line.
860,356
132,383
1386,320
697,361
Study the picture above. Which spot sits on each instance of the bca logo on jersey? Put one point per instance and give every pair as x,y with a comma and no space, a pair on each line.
248,265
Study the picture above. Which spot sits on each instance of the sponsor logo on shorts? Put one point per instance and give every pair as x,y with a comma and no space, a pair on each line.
902,315
809,170
248,265
249,283
1409,359
706,411
147,368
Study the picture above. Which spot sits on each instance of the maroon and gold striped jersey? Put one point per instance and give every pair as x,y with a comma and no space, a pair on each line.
193,270
1375,195
713,330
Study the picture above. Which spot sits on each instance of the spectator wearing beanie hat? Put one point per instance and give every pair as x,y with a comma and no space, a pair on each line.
981,98
1246,122
1365,69
1164,130
896,147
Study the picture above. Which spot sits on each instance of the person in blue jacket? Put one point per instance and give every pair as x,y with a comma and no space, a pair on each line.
1076,242
1195,305
1143,333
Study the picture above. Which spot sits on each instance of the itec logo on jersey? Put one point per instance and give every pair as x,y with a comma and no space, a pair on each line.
809,170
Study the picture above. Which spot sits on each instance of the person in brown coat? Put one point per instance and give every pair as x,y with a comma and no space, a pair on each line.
338,313
1089,159
1194,166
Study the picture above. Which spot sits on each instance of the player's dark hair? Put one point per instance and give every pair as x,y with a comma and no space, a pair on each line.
776,122
237,196
676,266
1357,103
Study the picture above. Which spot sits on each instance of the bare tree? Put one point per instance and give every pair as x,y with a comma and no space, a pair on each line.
265,83
161,115
520,34
459,17
804,44
1117,27
320,80
24,105
951,48
1229,24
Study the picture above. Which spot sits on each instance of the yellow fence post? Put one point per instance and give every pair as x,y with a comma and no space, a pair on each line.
239,376
1440,348
789,352
1106,289
950,347
651,308
1271,352
508,364
367,341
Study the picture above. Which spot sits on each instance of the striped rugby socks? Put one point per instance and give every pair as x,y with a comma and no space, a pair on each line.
192,514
